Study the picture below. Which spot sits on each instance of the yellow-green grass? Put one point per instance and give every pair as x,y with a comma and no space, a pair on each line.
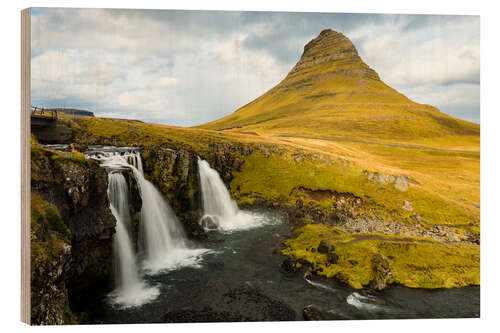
415,262
445,178
453,176
274,178
136,133
38,152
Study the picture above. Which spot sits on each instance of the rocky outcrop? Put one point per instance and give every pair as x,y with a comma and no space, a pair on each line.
227,158
399,182
174,171
374,224
51,130
50,253
78,189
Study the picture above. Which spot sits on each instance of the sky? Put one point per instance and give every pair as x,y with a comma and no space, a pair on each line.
190,67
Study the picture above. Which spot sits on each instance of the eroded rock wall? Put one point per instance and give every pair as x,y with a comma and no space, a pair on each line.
78,189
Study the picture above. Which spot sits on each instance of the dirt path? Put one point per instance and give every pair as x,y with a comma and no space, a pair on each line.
375,143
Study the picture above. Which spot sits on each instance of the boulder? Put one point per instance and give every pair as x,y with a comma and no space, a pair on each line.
383,179
401,183
325,247
209,222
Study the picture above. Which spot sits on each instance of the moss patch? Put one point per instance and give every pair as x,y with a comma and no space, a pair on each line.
49,233
416,262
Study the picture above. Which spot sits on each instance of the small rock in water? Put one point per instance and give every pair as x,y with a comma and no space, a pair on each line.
209,222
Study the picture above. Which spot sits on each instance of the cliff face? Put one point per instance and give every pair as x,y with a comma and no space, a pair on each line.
173,169
78,254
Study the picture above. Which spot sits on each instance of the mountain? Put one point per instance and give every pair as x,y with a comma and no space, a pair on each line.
332,93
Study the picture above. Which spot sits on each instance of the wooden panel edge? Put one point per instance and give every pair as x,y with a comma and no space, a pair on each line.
25,165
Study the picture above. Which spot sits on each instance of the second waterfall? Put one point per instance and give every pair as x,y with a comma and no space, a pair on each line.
219,210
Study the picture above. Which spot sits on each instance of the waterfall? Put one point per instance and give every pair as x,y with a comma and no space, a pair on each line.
162,242
219,210
161,238
130,290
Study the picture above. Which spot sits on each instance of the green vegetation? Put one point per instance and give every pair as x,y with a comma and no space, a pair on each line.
135,133
415,262
38,152
74,157
49,233
276,177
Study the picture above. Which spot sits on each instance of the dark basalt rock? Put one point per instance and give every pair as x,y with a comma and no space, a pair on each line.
310,312
289,265
79,191
205,315
174,171
233,302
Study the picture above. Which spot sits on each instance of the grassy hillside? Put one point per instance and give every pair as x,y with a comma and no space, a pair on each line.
332,93
445,194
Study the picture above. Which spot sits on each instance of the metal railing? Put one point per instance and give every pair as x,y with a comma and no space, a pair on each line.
37,111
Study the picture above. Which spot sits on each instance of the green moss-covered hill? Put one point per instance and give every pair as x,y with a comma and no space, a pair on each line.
332,93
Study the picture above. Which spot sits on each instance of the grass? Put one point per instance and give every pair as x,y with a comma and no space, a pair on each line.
43,212
416,263
275,178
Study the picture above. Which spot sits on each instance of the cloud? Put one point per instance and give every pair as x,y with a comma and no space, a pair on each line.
191,67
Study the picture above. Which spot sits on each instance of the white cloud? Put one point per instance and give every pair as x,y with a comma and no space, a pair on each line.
188,68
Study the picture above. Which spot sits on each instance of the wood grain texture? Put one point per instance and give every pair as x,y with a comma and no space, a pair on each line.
25,164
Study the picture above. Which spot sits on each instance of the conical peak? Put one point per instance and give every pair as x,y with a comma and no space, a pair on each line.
335,50
329,39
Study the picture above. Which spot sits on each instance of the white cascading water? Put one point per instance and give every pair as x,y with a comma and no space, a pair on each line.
218,205
161,237
162,242
130,289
